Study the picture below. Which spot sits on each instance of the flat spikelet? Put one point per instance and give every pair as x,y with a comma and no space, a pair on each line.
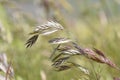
60,61
31,41
45,29
62,68
59,40
96,55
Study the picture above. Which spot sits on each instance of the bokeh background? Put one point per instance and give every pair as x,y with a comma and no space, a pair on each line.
91,23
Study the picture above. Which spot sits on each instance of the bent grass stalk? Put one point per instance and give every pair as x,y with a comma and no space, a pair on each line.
61,61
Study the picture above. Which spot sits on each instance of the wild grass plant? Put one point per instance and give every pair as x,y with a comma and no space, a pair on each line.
66,49
89,25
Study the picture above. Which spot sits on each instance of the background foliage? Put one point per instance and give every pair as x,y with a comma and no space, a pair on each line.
91,23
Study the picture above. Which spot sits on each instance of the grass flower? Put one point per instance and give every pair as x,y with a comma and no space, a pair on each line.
45,29
59,40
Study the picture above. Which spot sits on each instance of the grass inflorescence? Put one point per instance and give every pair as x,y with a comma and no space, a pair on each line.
67,48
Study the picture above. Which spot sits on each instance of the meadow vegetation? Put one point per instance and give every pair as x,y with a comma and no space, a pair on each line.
88,23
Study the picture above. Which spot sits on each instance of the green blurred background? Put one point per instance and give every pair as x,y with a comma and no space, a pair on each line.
91,23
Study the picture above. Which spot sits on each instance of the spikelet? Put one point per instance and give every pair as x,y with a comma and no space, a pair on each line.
96,55
70,52
62,68
59,40
60,61
45,29
48,28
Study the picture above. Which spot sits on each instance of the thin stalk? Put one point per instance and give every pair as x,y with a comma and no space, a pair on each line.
55,51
